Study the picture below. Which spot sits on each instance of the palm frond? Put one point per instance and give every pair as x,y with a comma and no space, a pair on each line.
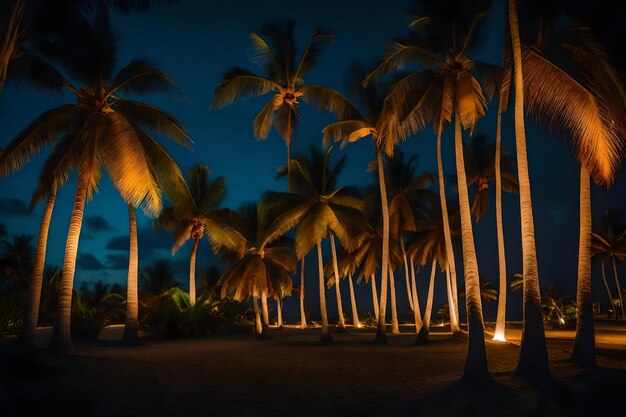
44,130
155,120
399,54
128,165
240,83
263,121
325,98
311,53
141,77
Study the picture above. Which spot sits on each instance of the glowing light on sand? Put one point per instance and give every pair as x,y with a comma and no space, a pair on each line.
499,337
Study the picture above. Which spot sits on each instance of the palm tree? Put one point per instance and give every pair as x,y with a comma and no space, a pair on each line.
571,87
320,209
405,191
533,358
31,314
428,245
347,267
283,77
157,278
378,122
452,91
608,241
198,215
487,164
260,269
102,129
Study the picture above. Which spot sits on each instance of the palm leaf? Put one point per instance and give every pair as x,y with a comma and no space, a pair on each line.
240,83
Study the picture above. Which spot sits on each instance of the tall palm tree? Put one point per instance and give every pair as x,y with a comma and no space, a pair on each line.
378,122
533,358
406,191
428,245
608,241
485,164
456,89
571,87
102,129
283,77
31,314
260,268
320,209
347,267
198,215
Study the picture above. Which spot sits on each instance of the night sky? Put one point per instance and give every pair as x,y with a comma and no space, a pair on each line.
195,42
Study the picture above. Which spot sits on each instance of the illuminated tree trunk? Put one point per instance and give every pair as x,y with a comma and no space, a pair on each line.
192,273
417,314
342,322
131,326
395,329
499,333
429,301
325,337
476,362
61,338
266,315
381,329
375,299
409,291
455,328
29,328
584,352
619,288
302,314
279,312
355,312
446,231
608,290
533,358
257,315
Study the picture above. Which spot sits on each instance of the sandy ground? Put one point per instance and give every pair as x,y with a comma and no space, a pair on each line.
291,374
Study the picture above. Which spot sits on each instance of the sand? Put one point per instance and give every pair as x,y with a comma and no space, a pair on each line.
291,374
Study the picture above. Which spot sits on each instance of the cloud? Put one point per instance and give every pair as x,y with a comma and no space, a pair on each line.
14,207
98,224
117,261
89,262
148,240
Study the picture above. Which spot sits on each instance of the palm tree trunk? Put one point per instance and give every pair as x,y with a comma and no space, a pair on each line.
192,273
584,352
61,339
342,322
409,291
500,331
10,37
417,314
455,328
257,315
279,312
325,337
533,358
355,313
131,326
266,315
446,228
395,329
476,362
381,329
619,288
302,315
608,290
31,316
375,299
429,301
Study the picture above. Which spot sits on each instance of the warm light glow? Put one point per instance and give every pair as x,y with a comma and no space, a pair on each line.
499,337
561,320
359,325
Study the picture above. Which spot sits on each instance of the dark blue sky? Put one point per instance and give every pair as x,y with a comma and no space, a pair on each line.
195,42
